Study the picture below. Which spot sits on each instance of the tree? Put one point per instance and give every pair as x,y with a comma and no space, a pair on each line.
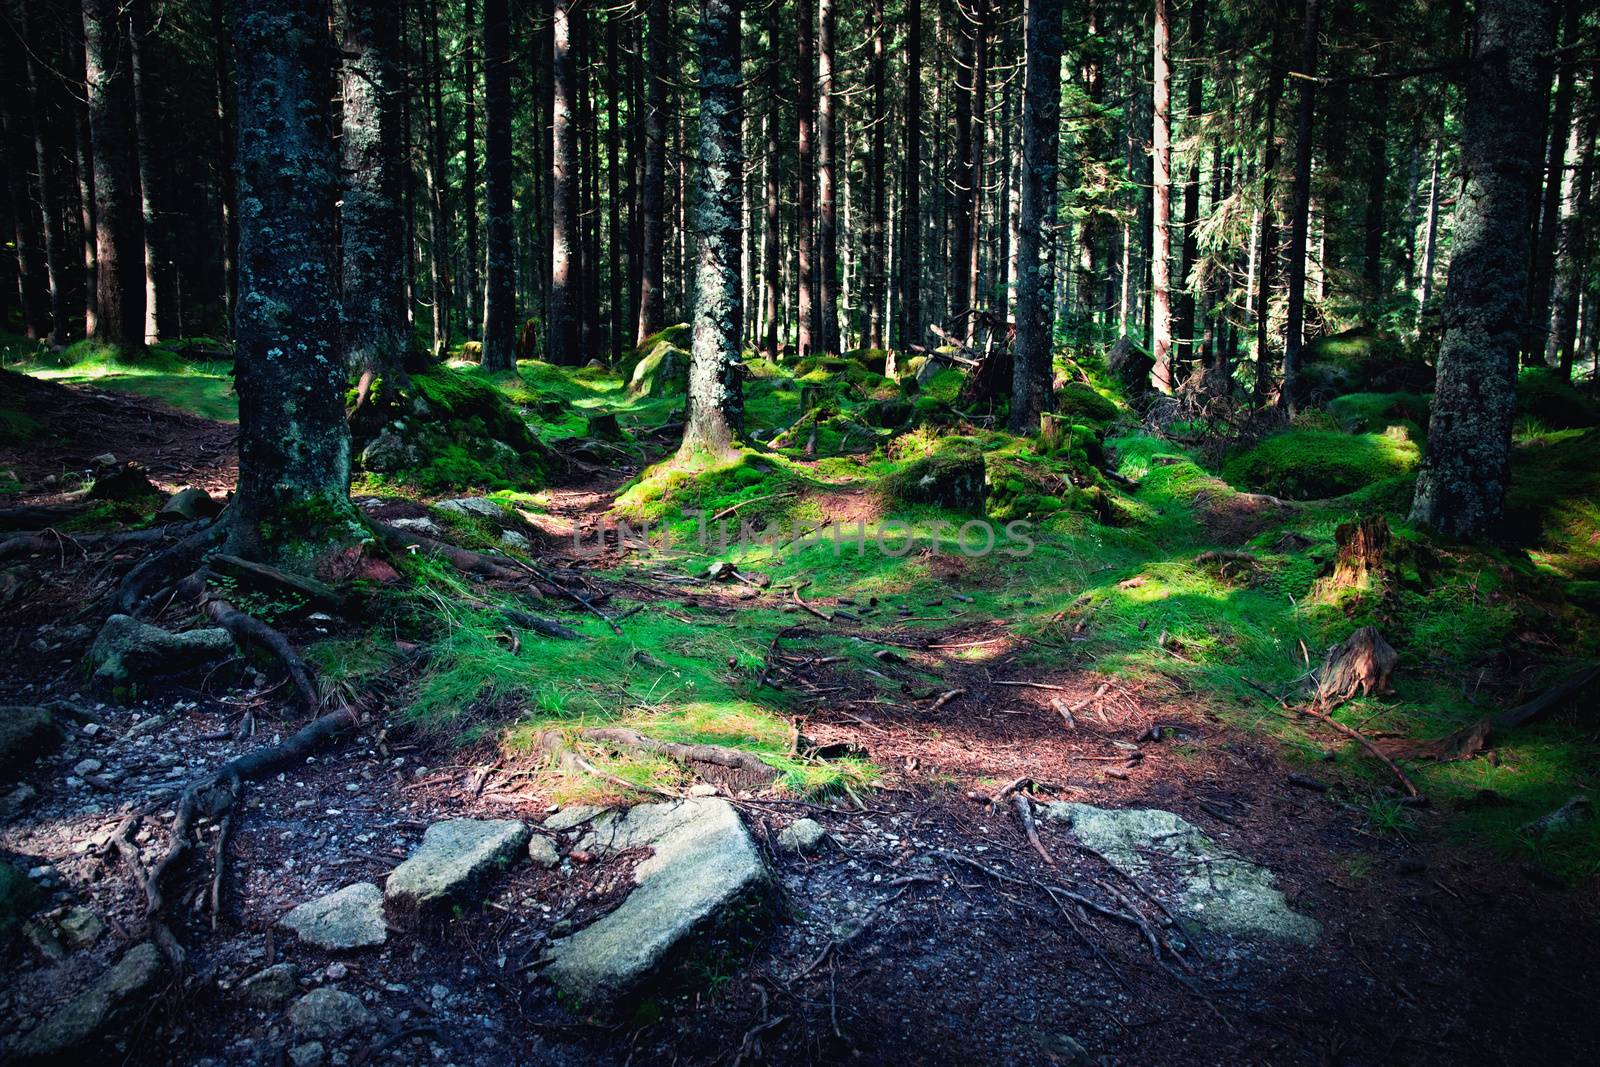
1161,193
1462,484
500,299
652,197
773,202
563,328
372,268
806,335
1041,134
1183,326
1572,257
911,209
293,500
1300,206
119,244
469,159
715,401
1547,186
827,190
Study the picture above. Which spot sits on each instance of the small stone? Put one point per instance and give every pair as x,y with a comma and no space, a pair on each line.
1064,1049
269,988
475,506
188,503
1576,810
455,855
81,927
703,789
17,801
543,852
572,816
105,459
327,1015
513,539
84,768
350,918
803,836
309,1054
335,971
419,525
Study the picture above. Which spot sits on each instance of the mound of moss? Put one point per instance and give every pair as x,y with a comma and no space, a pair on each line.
1317,464
659,366
950,474
1553,503
1545,395
1363,360
1082,404
1376,412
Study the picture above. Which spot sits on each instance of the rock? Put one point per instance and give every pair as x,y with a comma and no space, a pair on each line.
327,1015
952,476
127,652
802,835
543,852
512,539
349,918
454,857
269,988
1064,1049
475,506
309,1054
704,789
105,459
664,371
419,525
1216,888
26,733
97,1009
17,801
45,942
188,503
389,452
1576,810
572,816
703,873
81,927
84,768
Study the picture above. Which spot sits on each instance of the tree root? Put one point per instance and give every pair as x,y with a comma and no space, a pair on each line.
248,628
464,560
719,755
162,568
50,540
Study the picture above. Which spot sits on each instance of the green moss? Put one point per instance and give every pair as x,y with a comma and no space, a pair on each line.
950,474
1553,506
1544,395
1376,412
160,372
1083,403
1318,464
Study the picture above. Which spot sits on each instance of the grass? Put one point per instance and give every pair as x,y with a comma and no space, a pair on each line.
158,372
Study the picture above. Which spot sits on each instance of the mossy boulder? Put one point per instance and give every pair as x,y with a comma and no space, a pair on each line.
1544,395
662,372
128,652
1317,464
1082,404
26,733
1376,412
952,475
1362,360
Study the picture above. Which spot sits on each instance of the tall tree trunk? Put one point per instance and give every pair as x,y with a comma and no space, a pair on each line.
373,264
1462,484
49,201
119,244
716,407
1265,248
1161,199
807,328
1041,132
83,154
965,205
1572,253
827,192
876,280
438,219
1377,198
1430,238
564,227
652,196
469,184
984,19
294,445
774,200
1300,207
223,91
615,271
500,296
32,275
1546,223
159,284
1184,322
911,204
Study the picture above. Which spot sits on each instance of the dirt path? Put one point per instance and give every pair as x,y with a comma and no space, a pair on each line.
925,932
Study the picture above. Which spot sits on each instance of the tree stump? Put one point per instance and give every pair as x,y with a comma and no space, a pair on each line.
1363,663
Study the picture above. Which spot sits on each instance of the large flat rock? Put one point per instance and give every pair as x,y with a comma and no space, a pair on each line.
348,918
452,862
95,1011
702,873
1217,889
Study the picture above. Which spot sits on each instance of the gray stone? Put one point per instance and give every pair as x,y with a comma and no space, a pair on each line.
475,506
327,1015
543,852
703,871
97,1009
81,927
802,835
189,503
454,857
1216,888
17,801
349,918
388,452
571,817
269,988
309,1054
419,525
128,651
26,733
512,539
1576,810
1064,1049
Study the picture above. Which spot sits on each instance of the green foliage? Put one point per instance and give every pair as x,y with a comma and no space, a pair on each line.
1318,464
1082,403
1544,395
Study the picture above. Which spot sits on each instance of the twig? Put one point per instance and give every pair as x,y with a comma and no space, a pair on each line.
1025,815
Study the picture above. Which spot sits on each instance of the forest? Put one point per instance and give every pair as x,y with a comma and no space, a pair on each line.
799,531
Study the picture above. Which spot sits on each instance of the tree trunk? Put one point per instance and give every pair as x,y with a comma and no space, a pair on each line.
911,204
438,220
652,196
159,284
225,169
827,192
983,16
715,412
1161,199
469,152
876,275
965,188
1377,198
1461,487
372,267
1430,237
615,271
294,445
563,329
1041,133
119,244
1266,247
1184,322
1572,255
1546,224
774,201
54,238
32,274
500,297
807,335
1300,207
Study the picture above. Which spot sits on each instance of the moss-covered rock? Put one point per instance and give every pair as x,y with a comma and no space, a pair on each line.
951,476
26,733
659,366
1376,412
1362,360
19,898
1316,464
1081,403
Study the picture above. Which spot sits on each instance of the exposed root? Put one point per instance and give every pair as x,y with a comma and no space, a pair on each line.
464,560
719,755
248,628
161,569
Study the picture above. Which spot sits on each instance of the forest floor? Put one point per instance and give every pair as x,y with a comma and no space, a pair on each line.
925,930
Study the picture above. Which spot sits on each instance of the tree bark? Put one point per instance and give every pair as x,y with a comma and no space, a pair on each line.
1266,247
373,263
984,17
469,184
54,237
1461,487
294,445
772,213
1572,253
32,274
715,412
652,197
225,171
806,326
965,188
438,220
1300,207
119,244
500,296
1548,183
563,329
827,192
159,284
1161,201
1184,321
615,271
911,205
1041,133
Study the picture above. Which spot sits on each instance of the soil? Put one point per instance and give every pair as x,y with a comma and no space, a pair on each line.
922,933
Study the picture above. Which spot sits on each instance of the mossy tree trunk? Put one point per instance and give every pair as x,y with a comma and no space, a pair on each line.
119,246
715,400
1041,135
1462,485
500,309
376,338
294,446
